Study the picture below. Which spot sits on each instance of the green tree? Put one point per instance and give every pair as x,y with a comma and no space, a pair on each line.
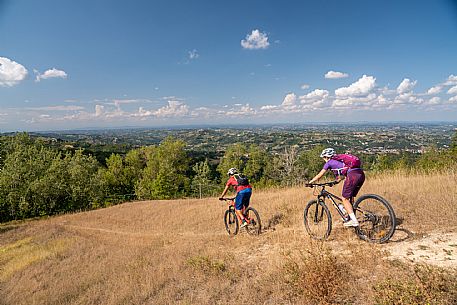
236,156
311,162
433,160
26,162
84,185
201,182
256,163
164,175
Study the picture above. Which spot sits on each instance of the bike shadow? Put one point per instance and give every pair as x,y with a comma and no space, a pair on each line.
401,233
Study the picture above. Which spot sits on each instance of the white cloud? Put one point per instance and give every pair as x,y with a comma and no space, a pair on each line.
304,86
434,101
453,99
51,73
173,109
335,75
255,40
452,90
354,102
289,100
11,72
269,107
451,80
435,90
243,110
361,87
99,110
193,54
406,86
316,94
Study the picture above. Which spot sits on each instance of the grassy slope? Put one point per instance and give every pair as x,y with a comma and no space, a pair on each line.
168,252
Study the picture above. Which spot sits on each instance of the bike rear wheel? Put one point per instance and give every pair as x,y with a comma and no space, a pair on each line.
231,222
317,219
376,218
254,225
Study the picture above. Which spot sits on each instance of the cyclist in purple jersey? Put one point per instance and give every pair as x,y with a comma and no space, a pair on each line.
353,181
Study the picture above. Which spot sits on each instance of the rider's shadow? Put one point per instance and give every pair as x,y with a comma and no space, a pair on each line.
401,233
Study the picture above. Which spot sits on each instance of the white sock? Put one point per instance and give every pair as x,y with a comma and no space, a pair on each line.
353,218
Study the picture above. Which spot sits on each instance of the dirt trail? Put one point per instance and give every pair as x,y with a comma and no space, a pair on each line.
436,248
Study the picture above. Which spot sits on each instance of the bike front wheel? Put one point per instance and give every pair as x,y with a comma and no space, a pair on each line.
317,219
254,225
231,222
376,218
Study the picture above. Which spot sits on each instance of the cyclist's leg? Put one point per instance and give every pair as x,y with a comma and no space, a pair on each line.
246,199
239,208
351,187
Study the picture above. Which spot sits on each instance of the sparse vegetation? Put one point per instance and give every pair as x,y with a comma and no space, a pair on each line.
177,252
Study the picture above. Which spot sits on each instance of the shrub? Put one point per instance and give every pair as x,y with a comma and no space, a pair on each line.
317,276
425,285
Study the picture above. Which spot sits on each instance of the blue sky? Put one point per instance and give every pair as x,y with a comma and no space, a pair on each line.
82,64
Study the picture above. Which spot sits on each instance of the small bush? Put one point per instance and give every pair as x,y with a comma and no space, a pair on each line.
317,276
426,285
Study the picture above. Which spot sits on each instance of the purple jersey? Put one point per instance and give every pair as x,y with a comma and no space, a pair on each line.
336,167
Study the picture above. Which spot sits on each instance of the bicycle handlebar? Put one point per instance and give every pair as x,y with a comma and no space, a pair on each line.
331,183
227,199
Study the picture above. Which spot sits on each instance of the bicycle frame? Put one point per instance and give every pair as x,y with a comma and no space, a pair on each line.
231,207
323,194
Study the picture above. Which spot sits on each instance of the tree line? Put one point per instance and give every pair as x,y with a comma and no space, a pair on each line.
37,179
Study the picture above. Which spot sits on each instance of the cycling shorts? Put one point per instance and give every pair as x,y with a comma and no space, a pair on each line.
242,198
353,182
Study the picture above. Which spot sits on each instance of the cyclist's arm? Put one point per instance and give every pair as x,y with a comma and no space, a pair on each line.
318,176
225,191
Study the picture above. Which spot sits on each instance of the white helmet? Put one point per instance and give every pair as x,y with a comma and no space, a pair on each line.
328,152
232,171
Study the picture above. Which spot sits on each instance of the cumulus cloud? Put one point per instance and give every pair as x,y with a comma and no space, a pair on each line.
435,90
255,40
406,86
289,100
11,72
315,99
51,73
244,110
361,87
304,86
269,107
452,90
434,101
335,75
451,80
173,109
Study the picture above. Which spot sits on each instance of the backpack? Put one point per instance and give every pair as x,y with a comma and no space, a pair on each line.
241,179
349,161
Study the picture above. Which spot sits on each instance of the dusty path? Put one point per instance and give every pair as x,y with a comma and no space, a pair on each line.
436,248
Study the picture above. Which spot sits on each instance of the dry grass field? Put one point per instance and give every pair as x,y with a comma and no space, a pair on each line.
177,252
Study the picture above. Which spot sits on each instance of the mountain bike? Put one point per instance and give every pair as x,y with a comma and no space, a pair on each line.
376,216
232,222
